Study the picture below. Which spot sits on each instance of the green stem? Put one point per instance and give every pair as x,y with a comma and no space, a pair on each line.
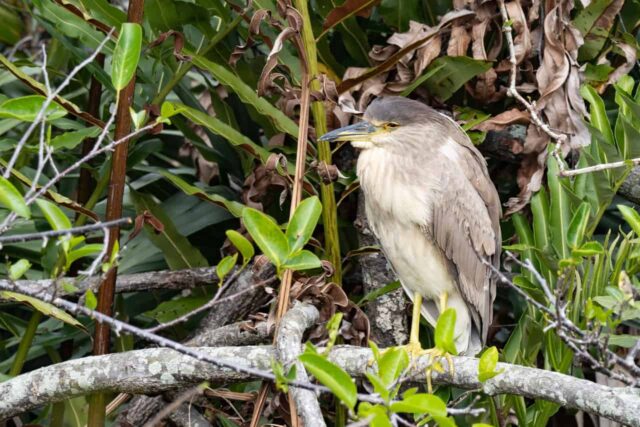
327,194
25,344
101,185
186,66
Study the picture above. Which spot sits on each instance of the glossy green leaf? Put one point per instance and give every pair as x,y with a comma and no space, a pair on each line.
74,138
559,210
392,364
90,300
126,55
225,265
376,414
27,108
267,235
19,268
84,251
632,218
421,403
378,385
598,112
56,219
302,260
578,225
11,198
43,307
594,22
242,244
487,364
105,12
589,249
303,223
445,331
333,377
12,25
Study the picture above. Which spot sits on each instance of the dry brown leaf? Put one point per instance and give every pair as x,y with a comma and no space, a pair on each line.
522,37
631,56
348,9
459,41
257,187
502,120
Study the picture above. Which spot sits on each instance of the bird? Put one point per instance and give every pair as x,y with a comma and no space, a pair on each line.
431,204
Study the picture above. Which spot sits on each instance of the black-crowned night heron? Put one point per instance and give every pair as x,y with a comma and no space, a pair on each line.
435,211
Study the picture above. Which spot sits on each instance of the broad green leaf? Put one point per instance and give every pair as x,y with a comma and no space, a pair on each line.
445,331
26,108
420,80
225,265
598,112
218,127
333,377
11,198
73,26
178,252
376,414
43,307
453,72
234,208
105,12
398,13
378,385
246,93
487,364
376,293
54,215
84,251
421,403
302,260
19,268
594,22
392,364
267,235
242,244
90,300
578,225
632,218
72,139
303,223
126,55
589,249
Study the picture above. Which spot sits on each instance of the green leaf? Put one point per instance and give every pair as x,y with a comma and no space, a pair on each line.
170,310
11,198
225,265
234,208
246,93
445,331
589,249
559,209
392,364
632,218
12,25
398,13
333,377
377,415
19,268
90,300
303,223
376,293
242,244
26,108
43,307
487,364
218,127
56,219
267,235
177,250
378,385
72,139
594,22
126,55
453,72
421,403
578,225
598,112
423,78
84,251
302,260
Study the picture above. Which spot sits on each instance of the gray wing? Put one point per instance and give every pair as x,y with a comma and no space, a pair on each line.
466,226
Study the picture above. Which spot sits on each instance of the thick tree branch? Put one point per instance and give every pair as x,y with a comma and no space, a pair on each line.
157,370
288,347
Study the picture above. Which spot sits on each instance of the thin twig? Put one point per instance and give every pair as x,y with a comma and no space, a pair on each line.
85,229
600,167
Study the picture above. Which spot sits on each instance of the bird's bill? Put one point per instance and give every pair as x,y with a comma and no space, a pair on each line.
360,131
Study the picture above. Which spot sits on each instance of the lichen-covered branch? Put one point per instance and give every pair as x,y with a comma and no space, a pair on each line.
159,369
288,347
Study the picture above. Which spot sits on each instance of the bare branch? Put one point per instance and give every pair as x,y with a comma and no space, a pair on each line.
85,229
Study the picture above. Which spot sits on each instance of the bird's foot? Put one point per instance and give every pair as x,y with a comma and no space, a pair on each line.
436,355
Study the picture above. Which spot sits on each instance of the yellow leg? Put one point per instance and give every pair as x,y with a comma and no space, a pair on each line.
444,298
414,337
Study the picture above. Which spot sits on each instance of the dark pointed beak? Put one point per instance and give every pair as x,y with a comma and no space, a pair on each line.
355,132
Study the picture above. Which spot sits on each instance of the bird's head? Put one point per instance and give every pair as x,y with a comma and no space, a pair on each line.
388,121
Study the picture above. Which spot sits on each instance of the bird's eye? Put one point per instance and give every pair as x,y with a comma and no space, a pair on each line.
391,125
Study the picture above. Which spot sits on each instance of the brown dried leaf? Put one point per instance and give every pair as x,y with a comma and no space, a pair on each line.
178,44
522,37
257,187
348,9
504,119
459,41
